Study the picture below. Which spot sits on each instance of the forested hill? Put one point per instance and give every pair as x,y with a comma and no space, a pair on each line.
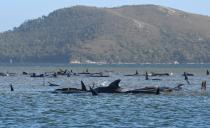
128,34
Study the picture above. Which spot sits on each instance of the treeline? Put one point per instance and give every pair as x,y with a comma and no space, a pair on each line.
129,34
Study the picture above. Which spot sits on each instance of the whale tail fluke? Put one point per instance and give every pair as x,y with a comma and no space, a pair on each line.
94,93
203,85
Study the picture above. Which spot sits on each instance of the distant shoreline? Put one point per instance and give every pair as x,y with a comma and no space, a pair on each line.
86,64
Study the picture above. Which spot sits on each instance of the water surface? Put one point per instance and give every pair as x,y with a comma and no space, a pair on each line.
32,104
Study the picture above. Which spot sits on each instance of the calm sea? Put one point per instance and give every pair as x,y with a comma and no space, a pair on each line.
32,105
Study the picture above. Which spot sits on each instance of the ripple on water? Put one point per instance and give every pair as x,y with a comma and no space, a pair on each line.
31,105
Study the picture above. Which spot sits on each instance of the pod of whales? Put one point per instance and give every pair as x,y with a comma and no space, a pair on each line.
113,87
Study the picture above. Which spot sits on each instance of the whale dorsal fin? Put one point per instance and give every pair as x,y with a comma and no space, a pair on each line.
11,87
115,84
83,86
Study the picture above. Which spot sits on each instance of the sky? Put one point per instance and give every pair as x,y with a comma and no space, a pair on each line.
15,12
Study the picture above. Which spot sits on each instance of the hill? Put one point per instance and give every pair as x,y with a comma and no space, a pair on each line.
128,34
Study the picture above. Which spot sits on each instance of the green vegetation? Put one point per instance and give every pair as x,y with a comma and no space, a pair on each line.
128,34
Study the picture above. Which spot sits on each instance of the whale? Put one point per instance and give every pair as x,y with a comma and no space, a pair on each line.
147,77
24,73
170,89
62,72
2,74
72,90
111,88
160,74
52,84
135,74
100,74
85,72
187,74
35,75
145,90
115,88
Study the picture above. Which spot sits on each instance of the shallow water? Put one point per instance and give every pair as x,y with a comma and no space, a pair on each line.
32,104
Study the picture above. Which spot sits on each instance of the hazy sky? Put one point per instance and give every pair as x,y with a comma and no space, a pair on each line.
15,12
